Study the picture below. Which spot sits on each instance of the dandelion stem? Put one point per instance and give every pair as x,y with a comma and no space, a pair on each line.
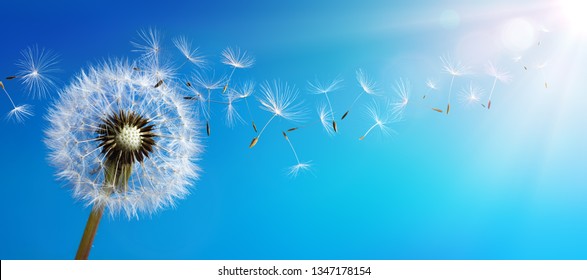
9,98
368,131
259,136
85,245
329,105
450,92
492,88
356,99
293,150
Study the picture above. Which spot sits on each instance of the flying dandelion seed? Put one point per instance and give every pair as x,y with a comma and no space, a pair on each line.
320,88
430,85
455,69
540,68
36,70
209,83
295,170
232,116
402,90
149,44
498,75
191,55
244,92
18,113
280,99
236,59
518,59
121,144
367,85
326,116
381,118
471,95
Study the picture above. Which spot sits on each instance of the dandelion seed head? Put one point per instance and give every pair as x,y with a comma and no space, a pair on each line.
232,115
209,81
36,70
148,44
245,90
454,68
499,74
192,55
20,113
280,99
402,89
237,58
431,84
367,84
326,118
121,143
295,170
318,87
471,94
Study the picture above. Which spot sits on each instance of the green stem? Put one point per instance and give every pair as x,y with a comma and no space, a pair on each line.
85,245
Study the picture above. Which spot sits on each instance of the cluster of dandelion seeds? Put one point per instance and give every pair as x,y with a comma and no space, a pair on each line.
122,142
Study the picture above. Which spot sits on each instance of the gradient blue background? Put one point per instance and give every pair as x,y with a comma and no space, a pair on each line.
508,183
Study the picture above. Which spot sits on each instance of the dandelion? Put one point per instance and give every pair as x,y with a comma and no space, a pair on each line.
381,119
279,99
191,55
518,59
18,113
319,88
497,74
244,92
471,94
121,144
368,86
299,166
149,44
36,70
236,59
455,69
402,89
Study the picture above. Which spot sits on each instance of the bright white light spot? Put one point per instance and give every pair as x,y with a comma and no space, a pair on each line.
518,35
449,19
575,13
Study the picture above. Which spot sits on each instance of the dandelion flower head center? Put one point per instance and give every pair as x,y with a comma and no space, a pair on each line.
126,137
129,138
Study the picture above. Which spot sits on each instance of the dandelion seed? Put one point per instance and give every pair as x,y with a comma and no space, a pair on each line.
455,69
498,75
326,119
36,70
188,84
18,113
158,84
299,166
437,110
236,59
402,89
541,67
368,86
10,77
208,128
232,116
471,94
149,44
191,55
381,119
431,85
279,99
244,92
122,145
320,88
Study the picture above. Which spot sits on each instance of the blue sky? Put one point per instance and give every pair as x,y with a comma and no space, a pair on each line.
505,183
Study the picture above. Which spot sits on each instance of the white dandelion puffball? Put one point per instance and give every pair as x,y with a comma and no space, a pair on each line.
123,139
